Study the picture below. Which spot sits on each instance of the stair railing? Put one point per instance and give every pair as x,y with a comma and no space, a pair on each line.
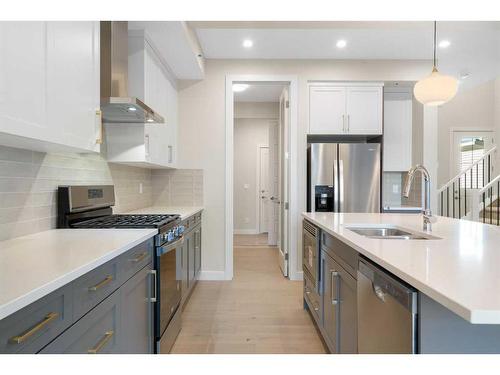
455,197
485,205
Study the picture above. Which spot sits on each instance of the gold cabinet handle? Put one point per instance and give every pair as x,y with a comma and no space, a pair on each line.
102,342
107,280
37,327
140,257
98,113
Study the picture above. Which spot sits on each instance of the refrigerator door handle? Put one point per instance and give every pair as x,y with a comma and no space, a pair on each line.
335,187
340,186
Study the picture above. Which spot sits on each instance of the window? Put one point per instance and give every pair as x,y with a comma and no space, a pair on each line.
471,150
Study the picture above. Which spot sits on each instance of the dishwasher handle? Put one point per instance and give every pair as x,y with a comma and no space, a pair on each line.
384,285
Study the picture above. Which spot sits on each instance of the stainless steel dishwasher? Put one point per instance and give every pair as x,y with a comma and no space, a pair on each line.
387,312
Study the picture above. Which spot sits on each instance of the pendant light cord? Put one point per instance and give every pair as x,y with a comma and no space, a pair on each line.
435,22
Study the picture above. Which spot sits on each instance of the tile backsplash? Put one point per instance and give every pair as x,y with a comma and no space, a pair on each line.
177,187
29,181
392,188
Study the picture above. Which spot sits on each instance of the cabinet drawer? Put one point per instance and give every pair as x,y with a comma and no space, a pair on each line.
135,259
340,252
97,332
93,287
33,327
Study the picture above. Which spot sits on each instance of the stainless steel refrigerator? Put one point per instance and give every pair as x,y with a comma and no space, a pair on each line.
343,177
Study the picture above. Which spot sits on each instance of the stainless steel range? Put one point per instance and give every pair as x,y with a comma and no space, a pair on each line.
91,207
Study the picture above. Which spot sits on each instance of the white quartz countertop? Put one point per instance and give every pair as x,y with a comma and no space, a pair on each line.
460,271
184,211
33,266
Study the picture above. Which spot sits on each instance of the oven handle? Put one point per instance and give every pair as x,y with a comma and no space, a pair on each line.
165,249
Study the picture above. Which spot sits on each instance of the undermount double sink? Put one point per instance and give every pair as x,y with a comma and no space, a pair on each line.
388,232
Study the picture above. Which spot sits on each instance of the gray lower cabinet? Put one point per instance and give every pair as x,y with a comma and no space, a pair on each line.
107,310
97,332
137,314
197,251
190,264
330,301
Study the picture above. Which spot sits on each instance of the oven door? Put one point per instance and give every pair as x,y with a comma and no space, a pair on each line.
168,283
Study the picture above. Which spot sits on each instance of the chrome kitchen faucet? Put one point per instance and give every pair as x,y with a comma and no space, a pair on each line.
427,213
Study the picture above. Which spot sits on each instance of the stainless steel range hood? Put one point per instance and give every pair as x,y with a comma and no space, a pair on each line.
116,104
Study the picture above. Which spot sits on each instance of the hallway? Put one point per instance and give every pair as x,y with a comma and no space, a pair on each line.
259,311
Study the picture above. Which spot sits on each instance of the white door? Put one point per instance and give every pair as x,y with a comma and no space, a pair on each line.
284,120
468,147
364,110
263,189
327,110
274,196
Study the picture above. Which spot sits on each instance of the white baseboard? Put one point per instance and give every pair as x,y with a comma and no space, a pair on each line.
212,275
299,275
245,231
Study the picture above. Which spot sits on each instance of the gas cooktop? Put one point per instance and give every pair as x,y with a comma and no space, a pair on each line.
127,221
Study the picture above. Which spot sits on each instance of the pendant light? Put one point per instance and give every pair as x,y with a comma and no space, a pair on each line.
435,89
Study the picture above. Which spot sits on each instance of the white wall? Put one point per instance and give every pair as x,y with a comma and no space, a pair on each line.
470,109
202,127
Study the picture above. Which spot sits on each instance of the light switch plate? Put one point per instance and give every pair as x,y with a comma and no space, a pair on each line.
395,188
140,187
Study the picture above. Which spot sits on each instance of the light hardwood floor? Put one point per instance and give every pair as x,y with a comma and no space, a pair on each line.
250,239
259,311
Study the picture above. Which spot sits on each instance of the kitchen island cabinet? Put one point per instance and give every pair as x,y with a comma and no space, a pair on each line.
453,315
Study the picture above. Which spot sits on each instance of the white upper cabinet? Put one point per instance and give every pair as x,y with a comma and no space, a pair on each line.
147,145
364,110
397,131
327,110
345,109
49,85
73,82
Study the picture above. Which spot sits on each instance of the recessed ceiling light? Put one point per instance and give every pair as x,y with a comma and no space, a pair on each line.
132,109
341,43
247,43
239,87
444,44
149,119
464,75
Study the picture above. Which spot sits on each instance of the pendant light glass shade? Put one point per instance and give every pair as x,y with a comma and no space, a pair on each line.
435,89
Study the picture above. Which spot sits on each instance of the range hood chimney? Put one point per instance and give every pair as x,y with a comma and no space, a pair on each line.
116,104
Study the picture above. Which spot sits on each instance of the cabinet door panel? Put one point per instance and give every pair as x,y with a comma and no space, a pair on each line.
330,300
22,80
397,131
348,313
137,332
73,82
327,110
364,110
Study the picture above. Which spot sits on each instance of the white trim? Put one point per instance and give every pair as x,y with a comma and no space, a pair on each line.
292,80
212,275
245,231
344,84
257,190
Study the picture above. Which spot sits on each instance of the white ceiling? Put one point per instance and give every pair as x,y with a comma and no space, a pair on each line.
259,93
474,49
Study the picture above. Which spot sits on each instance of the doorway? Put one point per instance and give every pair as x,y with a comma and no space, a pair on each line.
274,195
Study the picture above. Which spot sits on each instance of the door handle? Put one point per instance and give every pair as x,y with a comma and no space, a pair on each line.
37,327
379,292
348,123
99,285
102,342
334,274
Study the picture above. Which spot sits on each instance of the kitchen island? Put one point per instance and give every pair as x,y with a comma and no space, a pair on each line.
455,272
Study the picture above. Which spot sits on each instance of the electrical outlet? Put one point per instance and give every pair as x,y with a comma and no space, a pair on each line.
140,187
246,186
395,188
247,220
